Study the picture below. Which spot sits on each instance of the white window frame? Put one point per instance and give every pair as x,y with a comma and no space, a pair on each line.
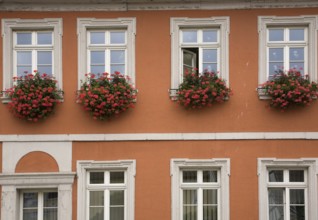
9,26
176,24
85,24
310,165
310,22
83,169
220,164
40,207
12,184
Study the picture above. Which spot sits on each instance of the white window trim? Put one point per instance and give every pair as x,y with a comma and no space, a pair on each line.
13,183
223,164
83,24
11,25
311,21
311,164
223,23
83,167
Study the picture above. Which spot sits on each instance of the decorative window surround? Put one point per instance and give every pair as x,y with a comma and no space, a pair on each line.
13,183
223,23
222,164
83,167
309,21
11,25
310,164
85,24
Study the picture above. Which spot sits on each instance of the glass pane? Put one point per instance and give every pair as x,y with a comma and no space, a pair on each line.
210,176
24,57
210,67
297,212
117,177
297,196
276,34
188,58
210,36
22,70
97,57
117,56
276,196
276,213
297,34
96,213
24,38
189,36
96,198
298,66
210,212
117,37
210,196
189,197
50,214
276,176
296,54
45,69
117,68
96,177
30,200
274,67
97,37
117,213
296,176
50,199
209,55
44,57
97,69
189,204
45,38
30,214
117,197
189,176
276,54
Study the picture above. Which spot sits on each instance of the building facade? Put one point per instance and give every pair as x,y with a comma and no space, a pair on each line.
234,160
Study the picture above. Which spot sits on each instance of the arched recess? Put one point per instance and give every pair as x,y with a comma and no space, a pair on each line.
37,161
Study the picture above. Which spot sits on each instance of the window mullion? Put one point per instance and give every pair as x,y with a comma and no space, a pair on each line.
287,204
200,60
107,205
200,203
286,58
34,60
107,61
40,205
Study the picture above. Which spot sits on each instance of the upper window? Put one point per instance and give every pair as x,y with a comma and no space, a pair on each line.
200,189
286,191
199,44
32,44
40,205
289,42
106,45
106,190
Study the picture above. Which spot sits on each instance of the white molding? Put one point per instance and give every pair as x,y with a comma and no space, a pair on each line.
12,152
10,25
308,20
12,183
84,166
309,163
57,138
223,23
85,23
145,5
223,164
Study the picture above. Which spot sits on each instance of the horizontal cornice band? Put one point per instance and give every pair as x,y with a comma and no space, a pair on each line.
162,137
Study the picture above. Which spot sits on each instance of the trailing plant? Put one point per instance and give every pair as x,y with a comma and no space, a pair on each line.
105,96
288,88
34,96
201,90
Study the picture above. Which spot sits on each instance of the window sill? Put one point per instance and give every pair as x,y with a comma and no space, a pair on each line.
262,95
174,97
6,100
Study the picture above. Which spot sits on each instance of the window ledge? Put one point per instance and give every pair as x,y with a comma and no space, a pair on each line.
174,97
262,94
6,100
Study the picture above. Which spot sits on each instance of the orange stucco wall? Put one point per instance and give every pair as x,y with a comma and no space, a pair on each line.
153,186
154,111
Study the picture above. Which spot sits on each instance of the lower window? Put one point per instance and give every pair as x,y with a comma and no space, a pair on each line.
39,205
